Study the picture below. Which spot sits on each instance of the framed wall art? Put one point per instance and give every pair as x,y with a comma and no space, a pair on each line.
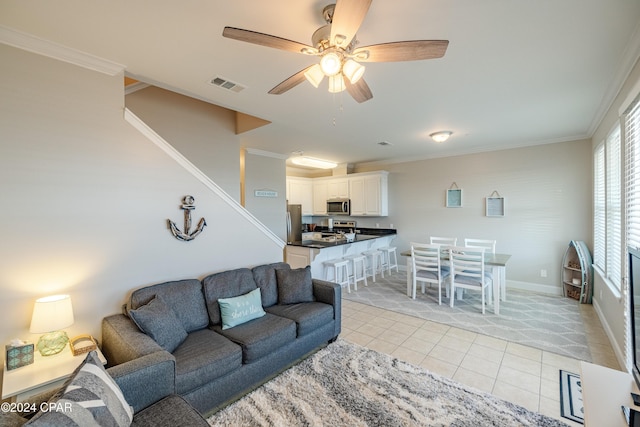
495,204
454,196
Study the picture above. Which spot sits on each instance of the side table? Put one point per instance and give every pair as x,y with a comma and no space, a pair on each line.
45,373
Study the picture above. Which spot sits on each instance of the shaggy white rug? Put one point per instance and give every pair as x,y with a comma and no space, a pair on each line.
348,385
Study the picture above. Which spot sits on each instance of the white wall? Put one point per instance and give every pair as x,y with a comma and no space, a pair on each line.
202,132
547,191
85,199
263,171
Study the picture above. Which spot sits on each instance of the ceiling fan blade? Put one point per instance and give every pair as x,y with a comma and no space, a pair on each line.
347,18
264,39
359,91
290,83
411,50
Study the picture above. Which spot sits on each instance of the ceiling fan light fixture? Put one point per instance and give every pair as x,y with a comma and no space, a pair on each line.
441,136
353,71
314,75
331,63
336,84
313,162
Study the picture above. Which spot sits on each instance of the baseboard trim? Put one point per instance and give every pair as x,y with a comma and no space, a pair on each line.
523,286
617,349
534,287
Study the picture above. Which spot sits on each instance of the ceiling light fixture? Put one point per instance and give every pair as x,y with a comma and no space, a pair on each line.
314,75
337,65
313,162
336,84
353,71
441,136
331,63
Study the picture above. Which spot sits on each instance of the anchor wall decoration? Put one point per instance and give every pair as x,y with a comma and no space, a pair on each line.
187,206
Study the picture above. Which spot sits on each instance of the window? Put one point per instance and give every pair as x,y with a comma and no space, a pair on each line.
608,209
599,209
632,183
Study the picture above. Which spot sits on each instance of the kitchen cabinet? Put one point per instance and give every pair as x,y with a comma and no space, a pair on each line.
320,196
338,188
300,192
369,194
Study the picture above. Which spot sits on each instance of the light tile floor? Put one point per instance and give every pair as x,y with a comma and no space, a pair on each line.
520,374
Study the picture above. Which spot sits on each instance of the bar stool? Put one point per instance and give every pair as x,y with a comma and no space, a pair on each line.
387,251
340,269
362,260
375,264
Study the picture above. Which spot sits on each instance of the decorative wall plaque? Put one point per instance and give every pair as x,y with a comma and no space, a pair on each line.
495,204
454,196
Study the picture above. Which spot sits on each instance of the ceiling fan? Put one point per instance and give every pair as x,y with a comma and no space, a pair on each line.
336,45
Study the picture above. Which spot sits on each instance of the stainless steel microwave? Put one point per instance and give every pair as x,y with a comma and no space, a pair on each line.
338,207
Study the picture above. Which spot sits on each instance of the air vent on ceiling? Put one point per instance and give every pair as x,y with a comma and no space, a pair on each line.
227,84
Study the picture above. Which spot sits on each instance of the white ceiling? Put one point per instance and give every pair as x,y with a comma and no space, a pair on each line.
516,73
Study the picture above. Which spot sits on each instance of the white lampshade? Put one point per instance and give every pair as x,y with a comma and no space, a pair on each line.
51,314
331,64
336,84
353,71
314,75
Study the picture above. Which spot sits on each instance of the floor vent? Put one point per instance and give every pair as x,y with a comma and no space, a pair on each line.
227,84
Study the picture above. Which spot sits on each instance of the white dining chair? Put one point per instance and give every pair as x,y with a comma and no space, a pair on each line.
468,272
426,268
488,245
443,241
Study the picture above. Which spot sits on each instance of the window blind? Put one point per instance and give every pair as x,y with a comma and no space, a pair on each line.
614,208
599,208
632,178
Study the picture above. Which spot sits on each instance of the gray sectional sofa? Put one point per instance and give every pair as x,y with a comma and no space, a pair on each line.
214,363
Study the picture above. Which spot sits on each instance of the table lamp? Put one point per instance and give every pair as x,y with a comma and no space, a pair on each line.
50,314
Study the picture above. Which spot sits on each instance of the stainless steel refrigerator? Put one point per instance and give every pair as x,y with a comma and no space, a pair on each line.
294,223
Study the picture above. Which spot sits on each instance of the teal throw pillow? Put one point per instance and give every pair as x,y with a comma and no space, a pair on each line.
238,310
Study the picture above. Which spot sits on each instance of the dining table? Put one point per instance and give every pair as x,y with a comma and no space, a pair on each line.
497,263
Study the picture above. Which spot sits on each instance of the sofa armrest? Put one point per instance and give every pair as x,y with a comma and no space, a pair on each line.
122,341
330,293
147,379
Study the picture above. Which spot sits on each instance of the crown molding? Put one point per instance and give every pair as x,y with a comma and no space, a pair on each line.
629,58
31,43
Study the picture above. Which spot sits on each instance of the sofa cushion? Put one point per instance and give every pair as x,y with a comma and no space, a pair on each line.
172,411
90,397
294,286
226,284
260,337
308,316
160,322
265,278
183,296
204,356
238,310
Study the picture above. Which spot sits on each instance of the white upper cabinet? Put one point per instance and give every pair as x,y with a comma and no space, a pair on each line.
300,192
338,188
368,193
320,196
